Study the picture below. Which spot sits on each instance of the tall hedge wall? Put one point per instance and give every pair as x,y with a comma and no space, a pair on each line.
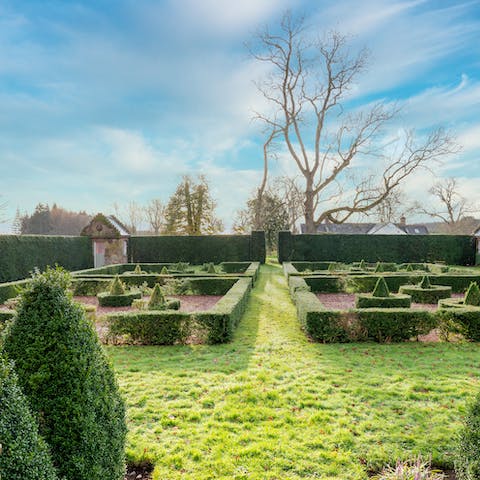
20,254
197,249
451,249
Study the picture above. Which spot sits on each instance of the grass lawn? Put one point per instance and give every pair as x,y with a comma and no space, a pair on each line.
272,405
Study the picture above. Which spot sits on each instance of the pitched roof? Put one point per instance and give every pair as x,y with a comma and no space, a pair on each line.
366,228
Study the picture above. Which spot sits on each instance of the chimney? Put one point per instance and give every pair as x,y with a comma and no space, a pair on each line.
403,221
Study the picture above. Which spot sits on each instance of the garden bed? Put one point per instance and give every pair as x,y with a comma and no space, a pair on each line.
188,303
346,301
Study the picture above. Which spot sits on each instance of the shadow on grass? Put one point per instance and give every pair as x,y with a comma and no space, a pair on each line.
223,358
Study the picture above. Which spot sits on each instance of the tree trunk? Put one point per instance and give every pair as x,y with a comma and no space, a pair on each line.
309,208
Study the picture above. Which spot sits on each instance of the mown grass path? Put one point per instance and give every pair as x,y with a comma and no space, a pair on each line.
272,405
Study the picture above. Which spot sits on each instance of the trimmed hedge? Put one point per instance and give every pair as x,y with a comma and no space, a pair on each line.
325,284
451,249
106,299
170,327
426,295
220,322
211,285
394,325
367,300
198,249
24,455
11,289
151,327
465,321
21,254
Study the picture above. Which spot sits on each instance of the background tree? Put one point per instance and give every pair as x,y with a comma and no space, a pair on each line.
269,214
290,190
191,209
50,221
454,210
155,215
306,87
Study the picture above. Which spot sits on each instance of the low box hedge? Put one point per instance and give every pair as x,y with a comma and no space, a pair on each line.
220,322
11,289
367,300
426,295
106,299
211,285
325,283
6,315
297,283
151,327
89,286
463,320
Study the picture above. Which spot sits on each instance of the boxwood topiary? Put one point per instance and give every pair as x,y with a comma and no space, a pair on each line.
106,299
23,453
381,298
467,462
425,292
68,380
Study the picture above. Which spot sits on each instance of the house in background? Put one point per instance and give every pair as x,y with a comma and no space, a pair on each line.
372,228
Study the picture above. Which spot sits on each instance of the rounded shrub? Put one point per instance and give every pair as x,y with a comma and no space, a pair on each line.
425,292
106,299
467,462
23,453
68,380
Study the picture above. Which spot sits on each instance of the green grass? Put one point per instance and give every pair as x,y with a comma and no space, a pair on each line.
272,405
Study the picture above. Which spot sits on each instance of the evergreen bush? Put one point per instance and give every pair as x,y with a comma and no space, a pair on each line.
381,289
23,453
472,297
117,287
157,300
68,380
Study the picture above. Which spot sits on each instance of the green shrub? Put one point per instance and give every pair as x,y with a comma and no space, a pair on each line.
211,268
451,249
425,283
366,300
116,287
23,453
89,286
234,267
426,295
68,381
211,286
23,253
137,269
11,289
362,265
157,300
465,321
106,299
6,315
394,325
164,271
467,461
324,284
165,327
381,289
472,297
218,324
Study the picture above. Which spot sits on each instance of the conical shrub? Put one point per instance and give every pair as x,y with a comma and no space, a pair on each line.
164,271
137,270
362,265
23,453
157,300
379,267
331,267
425,283
68,381
409,268
472,297
467,462
211,268
381,289
116,286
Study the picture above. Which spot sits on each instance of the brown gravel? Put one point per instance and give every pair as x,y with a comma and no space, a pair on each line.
345,301
188,303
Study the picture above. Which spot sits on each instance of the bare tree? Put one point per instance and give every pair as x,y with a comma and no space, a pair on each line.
135,215
307,85
393,207
155,214
290,190
454,209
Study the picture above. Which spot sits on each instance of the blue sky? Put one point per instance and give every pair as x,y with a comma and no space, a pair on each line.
113,100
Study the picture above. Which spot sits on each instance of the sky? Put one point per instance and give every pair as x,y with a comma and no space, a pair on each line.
112,101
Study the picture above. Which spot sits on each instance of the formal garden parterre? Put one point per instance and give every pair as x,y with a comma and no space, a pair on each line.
237,390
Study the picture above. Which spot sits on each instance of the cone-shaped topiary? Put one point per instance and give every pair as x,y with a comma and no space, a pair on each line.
467,462
211,268
381,289
164,271
116,286
409,268
68,380
331,267
425,283
363,265
23,453
137,270
157,300
379,267
472,297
